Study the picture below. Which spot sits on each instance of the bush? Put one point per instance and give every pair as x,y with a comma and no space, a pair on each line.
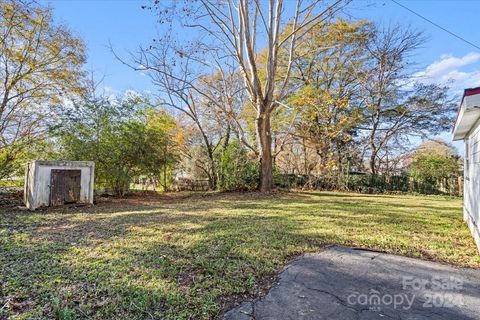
125,139
367,183
236,170
433,167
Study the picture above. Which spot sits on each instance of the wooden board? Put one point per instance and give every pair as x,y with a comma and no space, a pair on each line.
64,186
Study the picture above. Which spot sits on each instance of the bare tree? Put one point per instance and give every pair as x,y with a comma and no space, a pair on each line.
177,88
240,30
227,100
209,101
397,105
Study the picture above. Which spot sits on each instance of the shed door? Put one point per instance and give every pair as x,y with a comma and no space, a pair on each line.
64,186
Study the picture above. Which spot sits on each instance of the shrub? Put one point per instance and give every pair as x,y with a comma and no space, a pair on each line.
236,170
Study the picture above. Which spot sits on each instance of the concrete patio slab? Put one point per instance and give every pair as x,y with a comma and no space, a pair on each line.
345,283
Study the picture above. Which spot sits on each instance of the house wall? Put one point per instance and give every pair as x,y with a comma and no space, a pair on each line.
37,181
471,211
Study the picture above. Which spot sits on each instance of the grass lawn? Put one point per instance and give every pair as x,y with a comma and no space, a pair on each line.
191,257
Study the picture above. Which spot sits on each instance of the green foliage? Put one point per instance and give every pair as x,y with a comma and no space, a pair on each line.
7,161
12,183
14,157
159,146
433,167
435,162
325,74
368,183
125,139
41,63
236,170
372,184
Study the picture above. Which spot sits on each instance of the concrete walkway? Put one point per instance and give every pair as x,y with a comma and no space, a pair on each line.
344,283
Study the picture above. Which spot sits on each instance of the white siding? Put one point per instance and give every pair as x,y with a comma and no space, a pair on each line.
472,182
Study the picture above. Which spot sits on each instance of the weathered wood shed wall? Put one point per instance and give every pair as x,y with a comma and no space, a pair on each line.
49,183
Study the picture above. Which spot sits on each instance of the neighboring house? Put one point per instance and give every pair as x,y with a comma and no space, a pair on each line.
467,128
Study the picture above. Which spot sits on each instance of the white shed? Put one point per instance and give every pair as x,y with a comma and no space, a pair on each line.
467,128
53,183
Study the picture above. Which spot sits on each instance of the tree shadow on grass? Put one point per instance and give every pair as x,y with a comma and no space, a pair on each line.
169,259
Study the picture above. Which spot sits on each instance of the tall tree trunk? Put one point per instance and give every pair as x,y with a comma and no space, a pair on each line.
305,159
165,178
373,169
226,139
212,176
265,150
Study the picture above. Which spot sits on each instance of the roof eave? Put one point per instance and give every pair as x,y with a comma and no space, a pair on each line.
468,113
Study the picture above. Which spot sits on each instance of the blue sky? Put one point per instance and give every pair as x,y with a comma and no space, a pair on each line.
125,25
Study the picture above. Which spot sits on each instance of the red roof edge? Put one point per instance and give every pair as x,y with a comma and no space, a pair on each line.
471,92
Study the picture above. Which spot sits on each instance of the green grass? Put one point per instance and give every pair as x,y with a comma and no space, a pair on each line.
181,257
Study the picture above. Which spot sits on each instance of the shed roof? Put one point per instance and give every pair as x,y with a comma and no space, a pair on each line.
64,163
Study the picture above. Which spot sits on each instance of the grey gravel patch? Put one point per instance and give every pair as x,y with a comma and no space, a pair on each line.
344,283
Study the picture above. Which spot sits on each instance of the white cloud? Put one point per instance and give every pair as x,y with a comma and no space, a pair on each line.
448,63
131,94
458,72
109,92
